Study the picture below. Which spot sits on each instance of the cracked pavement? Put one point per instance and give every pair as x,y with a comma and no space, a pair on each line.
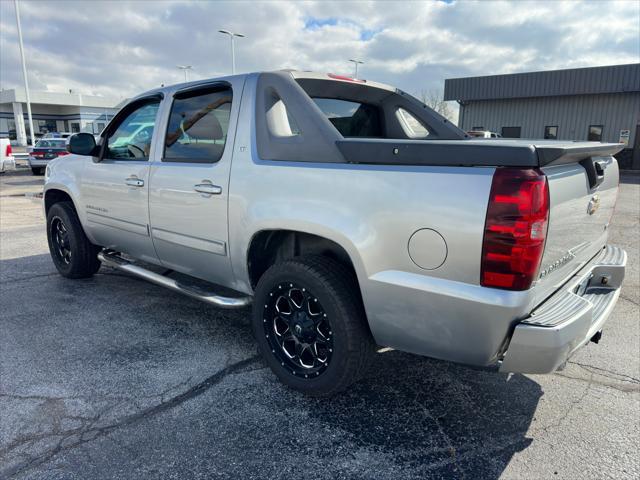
111,377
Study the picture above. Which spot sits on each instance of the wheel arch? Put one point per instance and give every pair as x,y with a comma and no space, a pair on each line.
269,246
59,193
56,195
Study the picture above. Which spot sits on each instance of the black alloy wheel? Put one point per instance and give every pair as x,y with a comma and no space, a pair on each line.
298,330
71,251
60,240
310,325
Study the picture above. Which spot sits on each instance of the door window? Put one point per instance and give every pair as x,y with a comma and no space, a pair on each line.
132,138
198,126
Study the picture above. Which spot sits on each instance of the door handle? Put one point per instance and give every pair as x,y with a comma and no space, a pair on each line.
208,188
134,181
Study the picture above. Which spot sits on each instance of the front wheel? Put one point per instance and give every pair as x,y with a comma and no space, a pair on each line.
73,254
310,325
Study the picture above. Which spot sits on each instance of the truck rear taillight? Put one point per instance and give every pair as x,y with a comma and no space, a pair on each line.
8,151
515,229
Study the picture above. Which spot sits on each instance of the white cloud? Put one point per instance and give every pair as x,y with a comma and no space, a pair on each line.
121,47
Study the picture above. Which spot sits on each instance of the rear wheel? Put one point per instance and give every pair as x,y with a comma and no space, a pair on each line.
310,325
37,170
73,254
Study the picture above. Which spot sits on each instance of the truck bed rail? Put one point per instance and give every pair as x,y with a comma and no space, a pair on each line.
471,153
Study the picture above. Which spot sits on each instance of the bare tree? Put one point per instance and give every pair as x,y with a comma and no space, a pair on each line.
434,99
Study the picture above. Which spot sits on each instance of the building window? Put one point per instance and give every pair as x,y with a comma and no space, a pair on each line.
46,126
511,132
595,133
11,126
551,133
75,127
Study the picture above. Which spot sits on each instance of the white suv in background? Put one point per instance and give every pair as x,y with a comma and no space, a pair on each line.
483,134
7,161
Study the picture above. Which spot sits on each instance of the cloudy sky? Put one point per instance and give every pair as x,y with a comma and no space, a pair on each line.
120,48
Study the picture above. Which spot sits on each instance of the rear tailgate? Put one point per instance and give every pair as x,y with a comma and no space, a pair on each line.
582,198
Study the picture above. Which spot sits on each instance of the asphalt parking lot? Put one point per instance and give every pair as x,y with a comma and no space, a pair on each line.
112,377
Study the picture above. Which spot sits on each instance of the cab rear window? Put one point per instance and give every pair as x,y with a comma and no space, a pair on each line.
351,119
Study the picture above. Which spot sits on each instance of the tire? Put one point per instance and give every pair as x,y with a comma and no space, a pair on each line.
73,254
331,310
37,170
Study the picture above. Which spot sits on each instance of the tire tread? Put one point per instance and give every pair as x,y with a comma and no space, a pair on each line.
343,287
85,257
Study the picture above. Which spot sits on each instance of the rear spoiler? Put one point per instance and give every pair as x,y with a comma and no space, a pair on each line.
551,155
471,153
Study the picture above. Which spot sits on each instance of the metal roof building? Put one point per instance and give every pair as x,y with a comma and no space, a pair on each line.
599,103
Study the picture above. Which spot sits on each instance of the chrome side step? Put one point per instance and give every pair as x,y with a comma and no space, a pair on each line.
115,261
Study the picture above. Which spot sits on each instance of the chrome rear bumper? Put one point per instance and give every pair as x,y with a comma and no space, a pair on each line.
545,340
38,162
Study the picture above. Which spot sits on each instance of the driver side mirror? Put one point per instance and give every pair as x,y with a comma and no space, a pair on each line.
82,144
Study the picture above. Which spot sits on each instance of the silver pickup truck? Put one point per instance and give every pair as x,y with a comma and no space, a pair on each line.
352,217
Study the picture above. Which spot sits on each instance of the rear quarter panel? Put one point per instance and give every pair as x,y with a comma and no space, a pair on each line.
372,211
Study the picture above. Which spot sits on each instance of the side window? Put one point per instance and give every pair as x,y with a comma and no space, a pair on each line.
280,122
412,127
198,127
132,139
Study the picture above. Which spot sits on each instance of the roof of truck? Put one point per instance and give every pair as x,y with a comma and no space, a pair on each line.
295,74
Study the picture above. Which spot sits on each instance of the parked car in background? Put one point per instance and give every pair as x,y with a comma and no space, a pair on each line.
44,151
7,160
56,135
351,215
483,134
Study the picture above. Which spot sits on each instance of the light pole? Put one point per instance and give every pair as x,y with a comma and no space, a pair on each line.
356,62
24,74
185,69
233,50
